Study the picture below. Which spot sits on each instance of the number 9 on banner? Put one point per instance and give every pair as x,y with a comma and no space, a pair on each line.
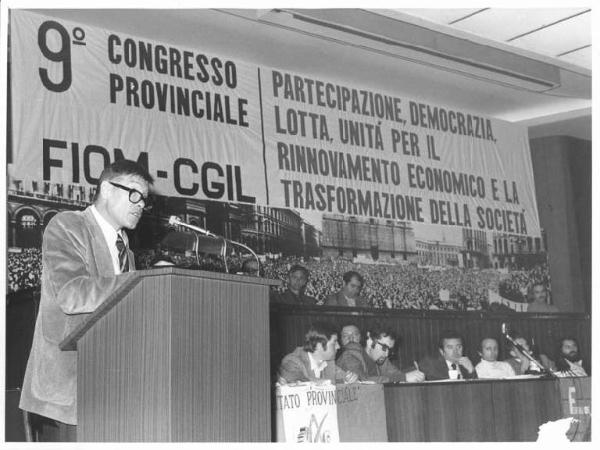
62,55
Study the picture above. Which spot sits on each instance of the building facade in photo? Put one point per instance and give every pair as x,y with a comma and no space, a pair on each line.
370,239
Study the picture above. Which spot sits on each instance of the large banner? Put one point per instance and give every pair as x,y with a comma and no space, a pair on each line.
209,127
576,402
307,414
330,413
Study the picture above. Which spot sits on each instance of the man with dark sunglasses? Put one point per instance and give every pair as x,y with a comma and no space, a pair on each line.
82,254
371,362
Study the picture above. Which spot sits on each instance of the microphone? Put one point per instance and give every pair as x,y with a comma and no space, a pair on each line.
528,355
174,220
518,346
513,342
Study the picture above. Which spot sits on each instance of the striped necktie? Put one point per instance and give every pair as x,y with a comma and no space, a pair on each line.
123,256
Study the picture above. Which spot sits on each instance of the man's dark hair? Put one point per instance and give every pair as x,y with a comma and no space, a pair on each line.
298,267
449,334
319,332
561,361
353,274
378,331
122,167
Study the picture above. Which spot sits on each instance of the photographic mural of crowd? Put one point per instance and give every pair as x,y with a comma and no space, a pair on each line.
386,285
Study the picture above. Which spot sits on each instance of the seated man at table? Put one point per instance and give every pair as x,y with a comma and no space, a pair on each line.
523,365
450,362
296,285
539,302
490,367
371,362
350,335
315,361
349,295
569,362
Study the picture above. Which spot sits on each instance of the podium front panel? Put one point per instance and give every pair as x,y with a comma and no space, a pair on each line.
182,357
221,335
124,369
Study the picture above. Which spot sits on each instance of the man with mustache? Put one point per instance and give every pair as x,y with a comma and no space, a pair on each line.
569,362
371,362
539,303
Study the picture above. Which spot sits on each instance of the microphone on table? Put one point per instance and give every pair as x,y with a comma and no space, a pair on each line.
527,354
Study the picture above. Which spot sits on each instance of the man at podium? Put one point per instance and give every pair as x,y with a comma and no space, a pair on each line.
82,254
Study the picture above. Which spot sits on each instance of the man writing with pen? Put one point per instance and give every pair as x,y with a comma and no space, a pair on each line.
371,361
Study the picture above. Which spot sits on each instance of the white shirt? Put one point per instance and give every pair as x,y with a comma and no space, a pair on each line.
316,367
351,301
449,364
110,235
575,370
494,369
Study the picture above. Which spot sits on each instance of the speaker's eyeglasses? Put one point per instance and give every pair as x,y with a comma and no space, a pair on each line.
135,196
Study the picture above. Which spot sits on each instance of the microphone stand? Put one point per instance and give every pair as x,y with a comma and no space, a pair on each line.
545,370
174,220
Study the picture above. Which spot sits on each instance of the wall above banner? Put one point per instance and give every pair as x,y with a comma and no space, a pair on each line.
211,128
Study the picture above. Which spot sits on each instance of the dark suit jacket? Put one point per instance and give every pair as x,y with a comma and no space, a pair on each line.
290,298
77,276
354,359
339,299
435,368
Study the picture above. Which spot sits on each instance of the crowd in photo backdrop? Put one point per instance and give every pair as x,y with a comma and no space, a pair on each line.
24,269
386,285
408,286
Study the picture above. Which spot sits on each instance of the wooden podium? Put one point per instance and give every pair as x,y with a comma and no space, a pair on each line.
176,355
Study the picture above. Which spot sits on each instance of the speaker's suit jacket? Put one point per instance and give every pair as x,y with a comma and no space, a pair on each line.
77,276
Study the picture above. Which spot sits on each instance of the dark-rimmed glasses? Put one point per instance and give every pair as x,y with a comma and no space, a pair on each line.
135,196
386,348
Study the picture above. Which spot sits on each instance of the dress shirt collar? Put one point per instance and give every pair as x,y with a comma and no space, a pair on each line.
110,235
316,367
107,228
351,301
457,367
